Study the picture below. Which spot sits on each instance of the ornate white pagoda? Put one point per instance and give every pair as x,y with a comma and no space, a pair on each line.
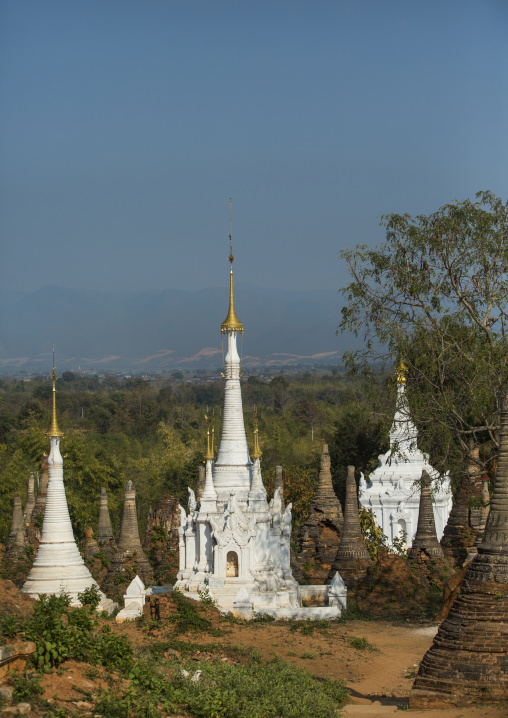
58,566
393,489
233,542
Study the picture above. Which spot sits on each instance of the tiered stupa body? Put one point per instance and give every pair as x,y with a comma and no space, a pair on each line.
233,542
393,489
58,566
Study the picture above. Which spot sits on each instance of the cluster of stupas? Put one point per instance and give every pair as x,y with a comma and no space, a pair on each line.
393,489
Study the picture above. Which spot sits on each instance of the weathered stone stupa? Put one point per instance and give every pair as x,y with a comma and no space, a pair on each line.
468,660
34,525
104,528
484,514
16,541
30,500
319,537
58,565
392,491
425,545
278,483
129,550
161,539
464,520
201,482
352,559
233,543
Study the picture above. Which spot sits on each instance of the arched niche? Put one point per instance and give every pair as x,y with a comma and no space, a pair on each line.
231,564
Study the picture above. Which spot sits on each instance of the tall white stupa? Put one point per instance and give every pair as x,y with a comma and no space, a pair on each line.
393,489
58,566
233,542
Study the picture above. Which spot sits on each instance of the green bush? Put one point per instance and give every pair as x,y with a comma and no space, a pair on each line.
26,687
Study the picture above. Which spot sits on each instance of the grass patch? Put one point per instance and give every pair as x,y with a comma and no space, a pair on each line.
361,644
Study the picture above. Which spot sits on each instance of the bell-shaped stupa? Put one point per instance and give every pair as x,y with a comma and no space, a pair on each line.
58,566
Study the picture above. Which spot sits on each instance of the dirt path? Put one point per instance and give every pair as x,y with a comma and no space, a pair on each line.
386,681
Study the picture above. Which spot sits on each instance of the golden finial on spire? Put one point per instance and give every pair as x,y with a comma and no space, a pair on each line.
54,430
401,371
209,456
231,323
257,453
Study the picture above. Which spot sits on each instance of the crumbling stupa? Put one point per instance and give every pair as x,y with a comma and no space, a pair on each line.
278,483
468,660
464,520
352,559
319,537
58,565
425,545
30,500
16,541
129,551
104,528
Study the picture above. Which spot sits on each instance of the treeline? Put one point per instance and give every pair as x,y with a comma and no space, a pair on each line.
154,433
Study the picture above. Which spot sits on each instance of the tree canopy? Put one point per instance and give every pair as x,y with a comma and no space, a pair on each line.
435,293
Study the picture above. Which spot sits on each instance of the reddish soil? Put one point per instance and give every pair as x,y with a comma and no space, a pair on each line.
379,670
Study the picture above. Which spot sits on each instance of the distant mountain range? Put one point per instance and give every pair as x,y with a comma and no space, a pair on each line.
171,329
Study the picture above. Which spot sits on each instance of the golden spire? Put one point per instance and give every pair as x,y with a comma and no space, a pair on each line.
54,430
257,453
401,371
231,323
209,456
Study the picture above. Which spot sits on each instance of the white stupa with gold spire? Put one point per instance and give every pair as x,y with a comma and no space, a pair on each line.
58,566
393,488
233,543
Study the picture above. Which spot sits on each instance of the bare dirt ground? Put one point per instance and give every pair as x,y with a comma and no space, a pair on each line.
379,675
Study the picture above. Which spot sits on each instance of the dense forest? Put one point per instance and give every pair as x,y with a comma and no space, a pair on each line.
154,433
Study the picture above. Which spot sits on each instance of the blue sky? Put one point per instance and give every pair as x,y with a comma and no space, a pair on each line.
127,125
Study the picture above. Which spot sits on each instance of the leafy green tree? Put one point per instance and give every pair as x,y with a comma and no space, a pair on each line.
436,294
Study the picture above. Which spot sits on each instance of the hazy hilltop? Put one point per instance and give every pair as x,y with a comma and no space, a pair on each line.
156,329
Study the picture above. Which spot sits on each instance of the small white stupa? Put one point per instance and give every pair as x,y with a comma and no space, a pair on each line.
393,489
233,543
58,566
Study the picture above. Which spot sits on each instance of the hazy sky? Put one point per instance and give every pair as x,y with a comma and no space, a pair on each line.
127,125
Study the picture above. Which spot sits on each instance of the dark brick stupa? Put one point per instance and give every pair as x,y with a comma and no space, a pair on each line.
319,537
16,541
129,557
104,528
352,559
425,544
279,484
468,660
464,519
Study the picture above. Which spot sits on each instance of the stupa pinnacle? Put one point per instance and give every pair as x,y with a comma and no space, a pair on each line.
58,565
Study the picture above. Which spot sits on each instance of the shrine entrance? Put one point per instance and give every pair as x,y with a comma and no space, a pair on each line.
231,565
